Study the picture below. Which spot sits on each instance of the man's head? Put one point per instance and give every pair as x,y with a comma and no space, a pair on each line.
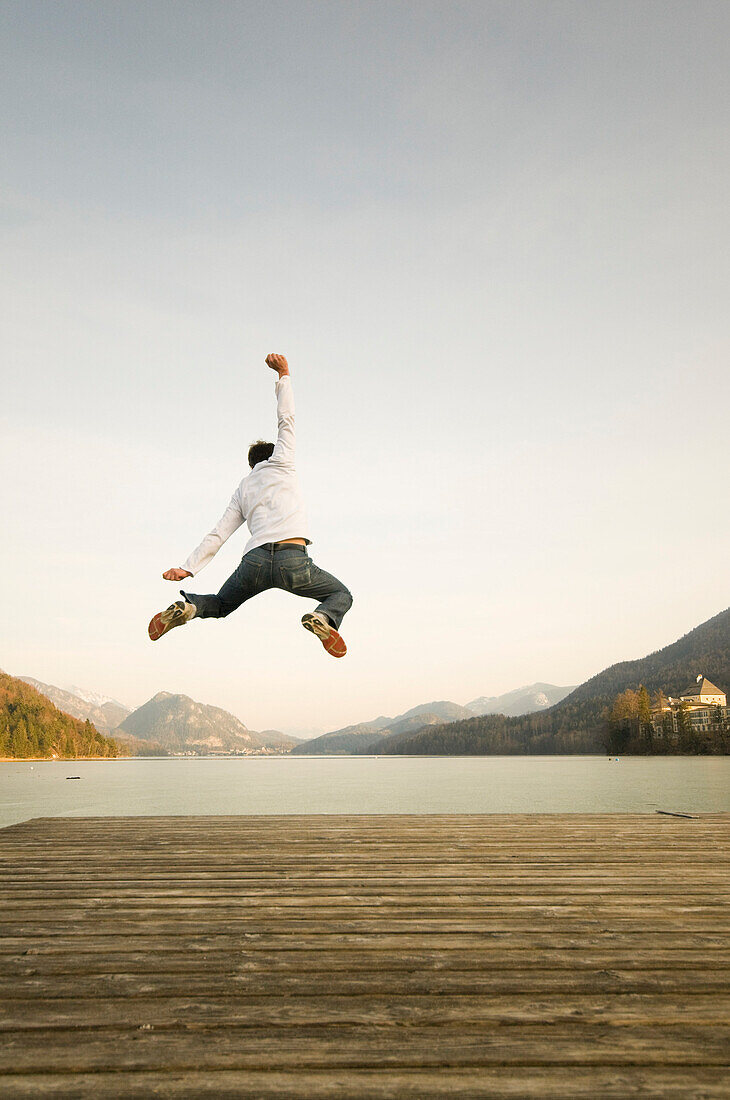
259,452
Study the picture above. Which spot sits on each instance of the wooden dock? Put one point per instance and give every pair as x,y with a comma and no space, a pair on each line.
544,956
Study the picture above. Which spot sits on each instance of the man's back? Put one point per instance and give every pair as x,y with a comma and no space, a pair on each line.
268,499
272,504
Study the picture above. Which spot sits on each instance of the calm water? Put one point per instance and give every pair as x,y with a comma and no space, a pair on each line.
365,785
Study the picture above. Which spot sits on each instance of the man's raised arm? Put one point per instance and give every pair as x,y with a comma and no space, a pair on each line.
286,442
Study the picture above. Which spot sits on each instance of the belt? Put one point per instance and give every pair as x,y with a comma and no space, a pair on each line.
282,546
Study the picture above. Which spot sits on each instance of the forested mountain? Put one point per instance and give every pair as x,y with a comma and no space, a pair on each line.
706,650
275,739
498,734
578,724
105,714
184,725
352,739
368,737
31,726
362,738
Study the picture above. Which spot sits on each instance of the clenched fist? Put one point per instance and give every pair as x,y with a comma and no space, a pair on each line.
277,363
176,575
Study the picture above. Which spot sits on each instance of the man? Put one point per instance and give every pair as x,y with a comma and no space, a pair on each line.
269,501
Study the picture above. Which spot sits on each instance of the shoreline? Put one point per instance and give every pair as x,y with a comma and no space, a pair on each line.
374,756
65,759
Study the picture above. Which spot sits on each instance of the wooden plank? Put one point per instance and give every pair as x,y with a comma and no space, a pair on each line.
148,1047
315,909
112,898
502,1083
235,958
373,983
666,924
202,941
487,891
389,1010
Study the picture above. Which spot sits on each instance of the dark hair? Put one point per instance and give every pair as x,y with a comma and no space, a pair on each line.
259,452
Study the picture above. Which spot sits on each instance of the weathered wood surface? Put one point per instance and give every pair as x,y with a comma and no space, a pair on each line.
549,956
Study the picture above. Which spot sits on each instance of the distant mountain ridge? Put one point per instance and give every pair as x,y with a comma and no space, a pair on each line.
524,700
94,697
183,727
367,737
105,714
359,738
576,723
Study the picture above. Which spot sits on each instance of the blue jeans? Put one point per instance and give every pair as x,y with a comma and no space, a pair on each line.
276,566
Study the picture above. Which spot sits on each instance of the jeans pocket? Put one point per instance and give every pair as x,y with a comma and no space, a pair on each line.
299,576
251,574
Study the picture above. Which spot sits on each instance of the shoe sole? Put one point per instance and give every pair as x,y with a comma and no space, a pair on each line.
159,626
333,642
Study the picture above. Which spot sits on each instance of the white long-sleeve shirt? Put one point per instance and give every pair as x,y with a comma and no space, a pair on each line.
268,499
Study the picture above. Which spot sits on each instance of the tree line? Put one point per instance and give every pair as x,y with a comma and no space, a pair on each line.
582,726
641,723
30,726
498,735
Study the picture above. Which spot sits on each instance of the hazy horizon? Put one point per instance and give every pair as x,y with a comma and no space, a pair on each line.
491,239
84,692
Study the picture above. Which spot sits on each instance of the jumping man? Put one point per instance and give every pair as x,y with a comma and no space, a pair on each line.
269,501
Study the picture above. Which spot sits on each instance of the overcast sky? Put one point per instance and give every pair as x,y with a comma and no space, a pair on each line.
492,240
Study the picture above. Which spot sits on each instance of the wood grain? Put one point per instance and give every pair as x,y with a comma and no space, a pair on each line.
390,956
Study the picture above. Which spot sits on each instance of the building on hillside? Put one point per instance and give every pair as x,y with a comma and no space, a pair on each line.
703,705
702,694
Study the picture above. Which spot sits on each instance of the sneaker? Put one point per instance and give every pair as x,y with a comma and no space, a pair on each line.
175,615
327,634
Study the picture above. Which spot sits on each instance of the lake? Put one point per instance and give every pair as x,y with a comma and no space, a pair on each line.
364,785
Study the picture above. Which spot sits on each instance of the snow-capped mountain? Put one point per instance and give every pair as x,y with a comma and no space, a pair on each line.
105,714
524,700
95,698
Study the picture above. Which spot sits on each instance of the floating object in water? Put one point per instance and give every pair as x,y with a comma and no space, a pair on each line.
73,776
671,813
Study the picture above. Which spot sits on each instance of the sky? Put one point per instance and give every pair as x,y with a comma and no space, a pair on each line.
492,240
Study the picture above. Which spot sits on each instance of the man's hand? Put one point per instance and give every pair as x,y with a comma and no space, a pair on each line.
176,575
277,363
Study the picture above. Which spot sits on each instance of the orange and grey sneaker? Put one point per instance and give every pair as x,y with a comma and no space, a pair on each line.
176,614
328,636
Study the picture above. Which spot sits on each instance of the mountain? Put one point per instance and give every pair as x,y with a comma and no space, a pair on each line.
106,714
705,649
524,700
275,739
109,716
446,711
31,726
369,737
348,740
94,697
180,724
304,733
576,724
363,737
